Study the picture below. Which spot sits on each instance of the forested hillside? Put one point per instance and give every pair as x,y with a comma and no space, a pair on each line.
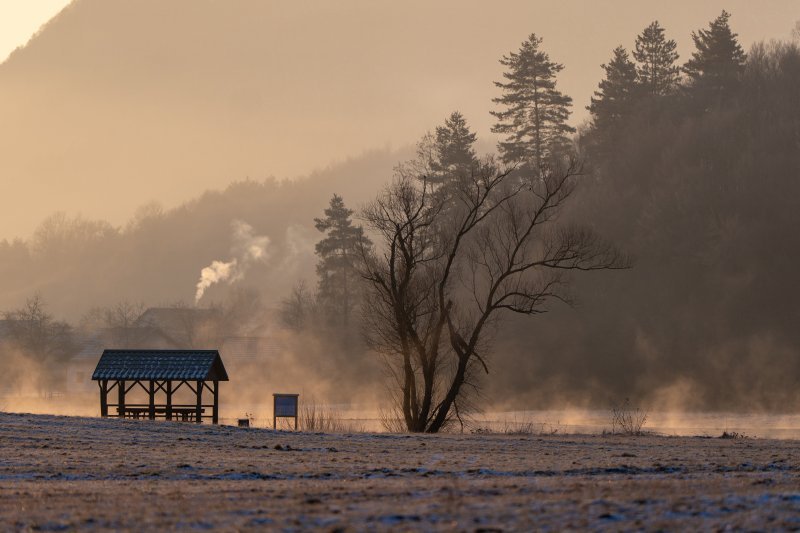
702,185
156,258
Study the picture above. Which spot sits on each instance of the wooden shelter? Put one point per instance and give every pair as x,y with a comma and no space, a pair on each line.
160,371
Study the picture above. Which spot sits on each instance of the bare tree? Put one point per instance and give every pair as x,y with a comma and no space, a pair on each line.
122,321
41,338
37,332
443,274
299,308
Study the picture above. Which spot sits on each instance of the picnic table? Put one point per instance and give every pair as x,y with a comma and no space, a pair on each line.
184,413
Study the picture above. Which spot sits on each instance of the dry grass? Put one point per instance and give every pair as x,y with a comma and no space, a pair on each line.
515,427
392,420
318,419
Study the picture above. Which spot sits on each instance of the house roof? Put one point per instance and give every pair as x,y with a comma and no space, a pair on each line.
90,346
250,347
160,364
174,318
175,327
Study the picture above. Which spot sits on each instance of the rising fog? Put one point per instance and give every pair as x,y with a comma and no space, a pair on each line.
146,146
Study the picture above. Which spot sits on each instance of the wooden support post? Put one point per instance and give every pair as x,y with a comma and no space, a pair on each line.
121,398
198,415
215,413
152,412
169,400
103,397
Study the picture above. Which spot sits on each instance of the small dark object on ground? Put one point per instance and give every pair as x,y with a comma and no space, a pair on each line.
244,422
732,435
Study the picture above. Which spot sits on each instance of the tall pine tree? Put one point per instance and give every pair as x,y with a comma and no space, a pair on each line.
535,113
338,255
718,60
454,145
656,56
616,92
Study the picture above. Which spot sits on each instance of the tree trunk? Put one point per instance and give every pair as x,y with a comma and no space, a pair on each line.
452,393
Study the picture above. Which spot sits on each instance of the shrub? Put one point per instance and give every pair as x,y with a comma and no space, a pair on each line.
627,420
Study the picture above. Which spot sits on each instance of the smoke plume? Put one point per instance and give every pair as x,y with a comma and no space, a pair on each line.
247,249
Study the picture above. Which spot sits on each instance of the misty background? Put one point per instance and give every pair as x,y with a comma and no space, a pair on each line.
136,134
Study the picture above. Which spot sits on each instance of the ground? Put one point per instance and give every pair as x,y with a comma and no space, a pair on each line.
69,473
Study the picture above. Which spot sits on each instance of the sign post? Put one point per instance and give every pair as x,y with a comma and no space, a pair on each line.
284,406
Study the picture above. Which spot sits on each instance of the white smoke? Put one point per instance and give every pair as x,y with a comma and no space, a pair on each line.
247,249
214,273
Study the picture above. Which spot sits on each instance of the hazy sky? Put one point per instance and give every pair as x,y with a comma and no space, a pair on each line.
19,19
122,102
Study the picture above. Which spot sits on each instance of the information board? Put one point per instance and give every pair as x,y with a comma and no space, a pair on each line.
284,406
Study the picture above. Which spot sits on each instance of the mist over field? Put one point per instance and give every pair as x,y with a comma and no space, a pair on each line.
176,155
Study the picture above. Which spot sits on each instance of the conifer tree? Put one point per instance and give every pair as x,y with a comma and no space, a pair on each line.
448,155
338,256
616,93
535,113
454,145
656,55
718,60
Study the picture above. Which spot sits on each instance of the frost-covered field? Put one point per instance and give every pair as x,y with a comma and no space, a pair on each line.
87,473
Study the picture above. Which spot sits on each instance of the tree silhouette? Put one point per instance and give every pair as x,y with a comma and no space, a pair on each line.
656,56
444,276
338,254
615,96
454,145
718,60
534,118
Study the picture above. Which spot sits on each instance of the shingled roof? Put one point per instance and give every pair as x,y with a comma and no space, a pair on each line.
160,364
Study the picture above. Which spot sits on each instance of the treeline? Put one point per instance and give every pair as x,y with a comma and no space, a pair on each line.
156,257
693,169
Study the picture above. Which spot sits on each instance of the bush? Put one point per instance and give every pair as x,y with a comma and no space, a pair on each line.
627,420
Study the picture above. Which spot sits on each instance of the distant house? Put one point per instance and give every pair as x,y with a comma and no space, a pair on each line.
156,328
83,363
179,327
247,349
167,328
